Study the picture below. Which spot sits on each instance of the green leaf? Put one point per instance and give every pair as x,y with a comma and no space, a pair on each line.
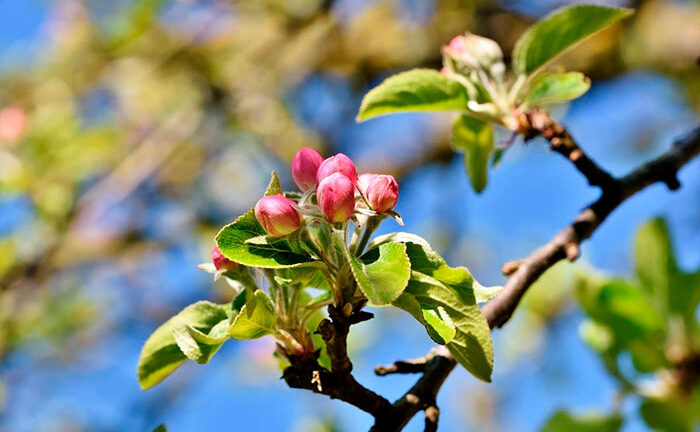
246,242
414,90
559,31
398,237
161,355
440,291
671,290
160,428
557,87
563,421
475,138
667,415
256,319
381,273
633,322
436,320
485,293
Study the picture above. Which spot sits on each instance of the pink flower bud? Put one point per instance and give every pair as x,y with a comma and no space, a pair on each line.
364,180
277,215
13,124
337,164
474,51
382,193
220,261
305,166
336,196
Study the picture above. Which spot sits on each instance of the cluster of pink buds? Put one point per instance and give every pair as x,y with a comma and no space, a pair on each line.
339,192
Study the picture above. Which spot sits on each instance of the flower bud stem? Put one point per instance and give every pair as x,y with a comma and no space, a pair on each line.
370,226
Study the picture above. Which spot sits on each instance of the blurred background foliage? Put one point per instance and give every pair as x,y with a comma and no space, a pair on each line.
131,130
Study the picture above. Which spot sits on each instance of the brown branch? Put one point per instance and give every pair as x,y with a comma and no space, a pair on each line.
407,366
338,383
538,122
526,271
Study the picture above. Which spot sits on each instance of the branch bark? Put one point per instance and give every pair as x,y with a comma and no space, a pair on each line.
523,273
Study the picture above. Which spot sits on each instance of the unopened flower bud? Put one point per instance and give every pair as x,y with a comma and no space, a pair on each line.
336,196
221,262
305,165
474,51
13,124
382,193
277,215
337,164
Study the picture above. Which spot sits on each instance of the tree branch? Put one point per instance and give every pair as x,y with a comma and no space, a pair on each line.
538,122
338,383
565,244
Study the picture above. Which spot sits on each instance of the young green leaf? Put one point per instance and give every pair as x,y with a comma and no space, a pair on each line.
414,90
161,355
381,273
438,324
560,31
398,237
256,319
671,290
246,242
442,297
475,138
629,316
557,87
563,421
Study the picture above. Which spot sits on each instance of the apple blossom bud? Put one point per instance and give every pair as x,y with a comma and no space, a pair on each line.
337,164
336,196
277,215
382,193
363,182
474,51
305,166
13,124
220,261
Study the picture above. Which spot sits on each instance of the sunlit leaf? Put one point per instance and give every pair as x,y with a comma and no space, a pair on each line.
382,272
414,90
557,87
474,138
559,31
442,297
256,319
161,355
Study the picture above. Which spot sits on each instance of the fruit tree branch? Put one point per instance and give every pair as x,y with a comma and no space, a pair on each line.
523,273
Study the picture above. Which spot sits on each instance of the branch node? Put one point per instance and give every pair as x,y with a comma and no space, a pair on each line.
672,182
432,414
572,251
511,267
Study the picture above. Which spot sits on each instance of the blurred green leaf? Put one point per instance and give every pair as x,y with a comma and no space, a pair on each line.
475,138
256,319
161,353
414,90
563,421
382,272
632,320
557,87
668,415
672,290
559,31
